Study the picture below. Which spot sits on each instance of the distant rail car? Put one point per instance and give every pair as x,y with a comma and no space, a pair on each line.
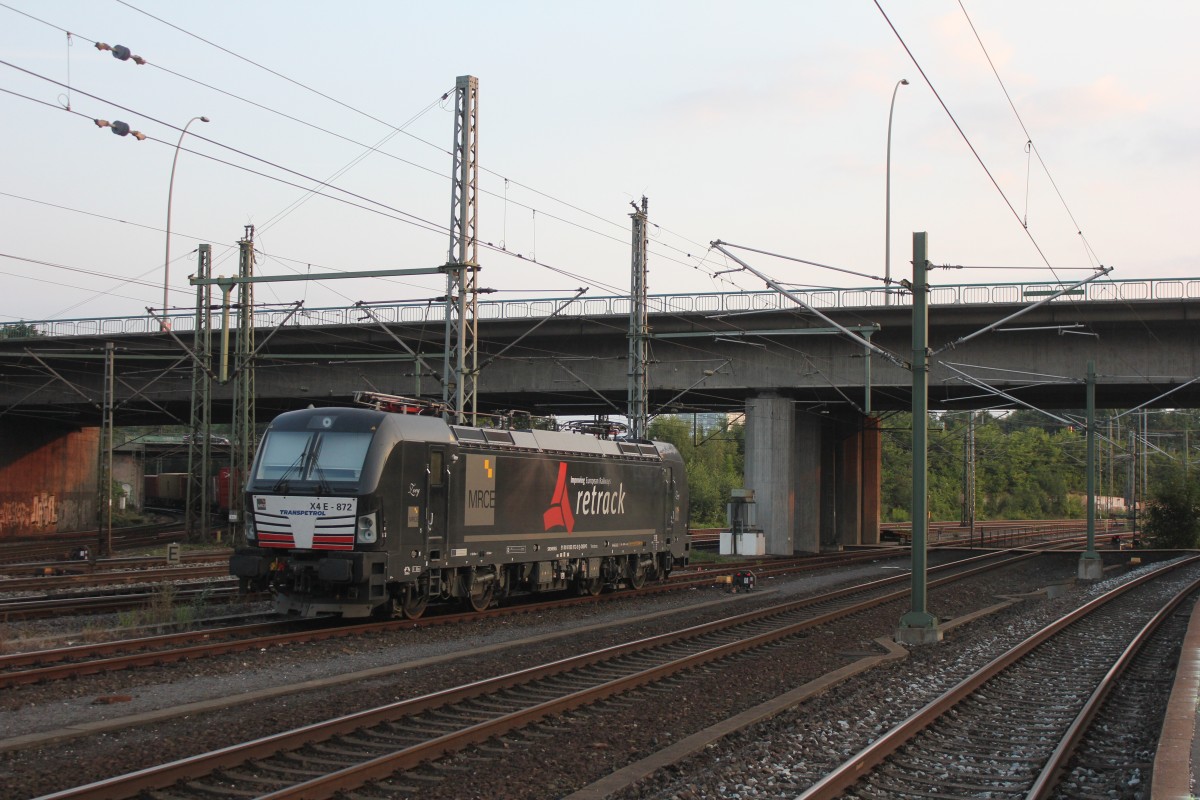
355,511
169,489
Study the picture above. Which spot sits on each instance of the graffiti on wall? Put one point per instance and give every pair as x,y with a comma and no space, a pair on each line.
30,513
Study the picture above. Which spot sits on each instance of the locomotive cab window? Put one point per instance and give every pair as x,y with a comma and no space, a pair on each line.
322,456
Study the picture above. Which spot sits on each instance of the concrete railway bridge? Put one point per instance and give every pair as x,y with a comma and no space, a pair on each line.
809,392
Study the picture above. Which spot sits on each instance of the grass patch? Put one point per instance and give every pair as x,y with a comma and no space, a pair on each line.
711,557
163,610
94,635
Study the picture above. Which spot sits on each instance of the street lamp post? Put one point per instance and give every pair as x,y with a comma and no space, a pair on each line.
165,324
887,209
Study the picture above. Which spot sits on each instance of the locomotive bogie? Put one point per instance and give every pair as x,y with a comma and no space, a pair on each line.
358,511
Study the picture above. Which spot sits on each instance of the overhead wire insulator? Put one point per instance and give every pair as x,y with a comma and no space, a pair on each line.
119,128
121,52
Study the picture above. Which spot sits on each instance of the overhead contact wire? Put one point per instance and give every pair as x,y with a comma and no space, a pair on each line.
964,136
1028,138
389,125
349,107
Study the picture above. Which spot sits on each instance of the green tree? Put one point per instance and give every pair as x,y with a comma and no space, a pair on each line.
1022,470
1172,517
714,462
1028,466
18,330
895,494
1028,473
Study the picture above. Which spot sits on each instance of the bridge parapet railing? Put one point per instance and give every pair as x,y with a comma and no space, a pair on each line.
614,305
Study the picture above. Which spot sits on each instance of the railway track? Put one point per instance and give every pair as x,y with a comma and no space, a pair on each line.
376,744
60,547
222,590
124,571
76,660
25,569
999,533
1011,728
89,659
993,533
150,571
51,575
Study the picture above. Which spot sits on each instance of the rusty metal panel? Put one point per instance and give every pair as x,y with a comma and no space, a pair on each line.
48,478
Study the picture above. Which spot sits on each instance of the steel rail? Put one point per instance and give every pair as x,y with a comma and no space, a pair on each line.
75,567
21,668
1056,766
92,604
194,767
11,552
46,665
864,761
89,659
385,766
69,662
156,574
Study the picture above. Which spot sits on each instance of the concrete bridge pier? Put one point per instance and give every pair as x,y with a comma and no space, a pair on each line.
816,477
48,477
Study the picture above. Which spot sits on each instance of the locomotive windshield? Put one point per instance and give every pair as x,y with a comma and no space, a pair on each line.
324,457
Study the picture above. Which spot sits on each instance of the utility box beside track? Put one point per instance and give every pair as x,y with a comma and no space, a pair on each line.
744,537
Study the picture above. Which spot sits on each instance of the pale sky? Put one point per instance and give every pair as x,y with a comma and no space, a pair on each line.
759,123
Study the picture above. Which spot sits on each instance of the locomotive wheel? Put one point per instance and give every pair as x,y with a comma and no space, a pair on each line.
589,587
482,593
480,597
413,602
636,574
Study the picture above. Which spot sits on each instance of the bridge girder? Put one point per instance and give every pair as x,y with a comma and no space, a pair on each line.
697,363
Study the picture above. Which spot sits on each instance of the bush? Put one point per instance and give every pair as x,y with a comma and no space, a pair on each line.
1172,518
19,330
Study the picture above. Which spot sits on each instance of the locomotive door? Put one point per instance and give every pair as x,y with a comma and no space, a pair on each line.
436,506
670,507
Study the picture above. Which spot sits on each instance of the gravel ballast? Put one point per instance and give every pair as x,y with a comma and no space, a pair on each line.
585,746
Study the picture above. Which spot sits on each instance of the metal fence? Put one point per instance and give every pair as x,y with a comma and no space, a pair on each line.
709,303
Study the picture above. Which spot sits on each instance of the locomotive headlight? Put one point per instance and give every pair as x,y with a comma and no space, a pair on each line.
249,528
366,531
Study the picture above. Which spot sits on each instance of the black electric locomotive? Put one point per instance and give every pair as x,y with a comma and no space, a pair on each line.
357,511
